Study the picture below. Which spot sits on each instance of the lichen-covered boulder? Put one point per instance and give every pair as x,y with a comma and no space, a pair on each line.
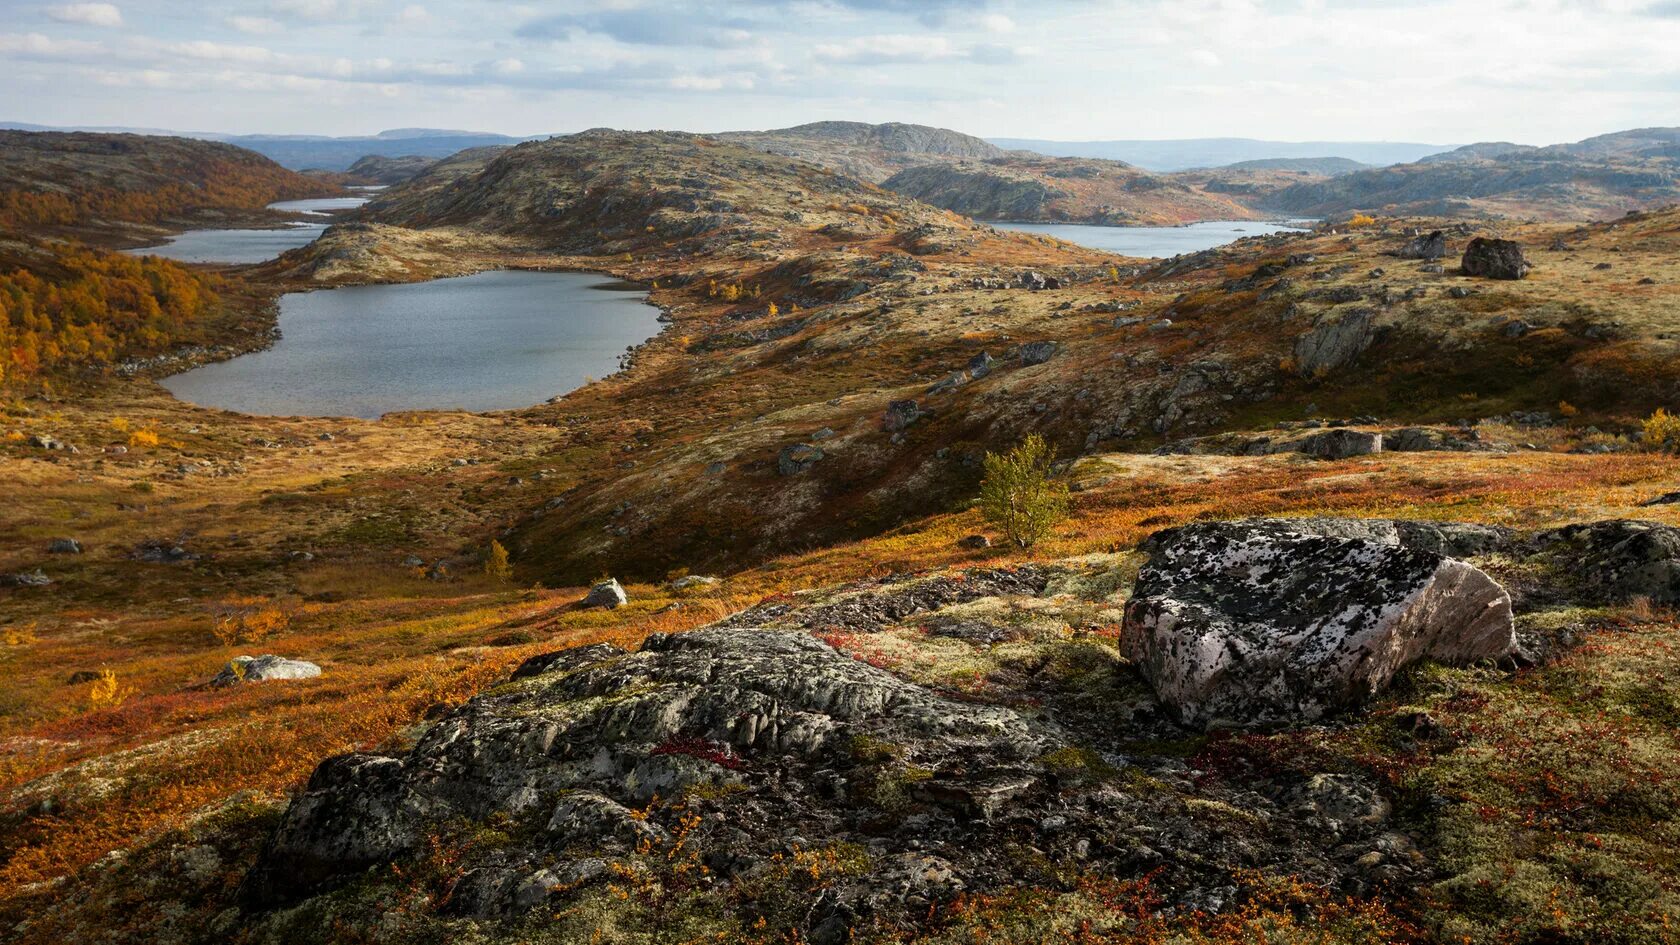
1618,560
249,669
1261,625
566,752
1452,539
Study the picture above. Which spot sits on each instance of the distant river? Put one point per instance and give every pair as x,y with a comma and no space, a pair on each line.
492,341
252,246
1151,241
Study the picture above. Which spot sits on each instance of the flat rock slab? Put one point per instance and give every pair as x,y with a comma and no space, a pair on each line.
1248,624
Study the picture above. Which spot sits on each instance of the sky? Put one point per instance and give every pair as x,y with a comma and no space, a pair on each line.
1532,71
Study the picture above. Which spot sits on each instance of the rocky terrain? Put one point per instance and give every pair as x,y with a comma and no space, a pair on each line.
1599,178
379,169
867,152
1073,190
1361,629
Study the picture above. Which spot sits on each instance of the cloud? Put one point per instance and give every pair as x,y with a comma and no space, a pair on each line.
997,23
1206,58
36,46
643,27
414,15
88,14
255,25
316,9
885,48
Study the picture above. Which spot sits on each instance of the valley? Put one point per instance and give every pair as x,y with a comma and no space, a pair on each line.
823,712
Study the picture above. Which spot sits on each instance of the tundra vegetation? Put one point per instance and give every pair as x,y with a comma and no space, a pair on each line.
1033,787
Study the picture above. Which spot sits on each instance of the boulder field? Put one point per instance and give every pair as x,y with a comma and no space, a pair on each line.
835,721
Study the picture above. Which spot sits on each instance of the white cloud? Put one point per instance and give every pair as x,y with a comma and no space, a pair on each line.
36,45
997,23
256,25
898,47
414,15
88,14
1205,58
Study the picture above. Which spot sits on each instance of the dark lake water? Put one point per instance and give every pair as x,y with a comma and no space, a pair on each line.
1150,241
492,341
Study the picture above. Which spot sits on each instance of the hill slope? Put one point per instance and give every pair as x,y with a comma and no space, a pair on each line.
1031,188
868,152
54,179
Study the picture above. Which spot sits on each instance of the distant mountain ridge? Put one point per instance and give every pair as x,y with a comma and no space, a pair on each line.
325,152
1194,153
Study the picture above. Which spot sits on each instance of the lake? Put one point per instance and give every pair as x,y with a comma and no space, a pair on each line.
252,246
492,341
1151,241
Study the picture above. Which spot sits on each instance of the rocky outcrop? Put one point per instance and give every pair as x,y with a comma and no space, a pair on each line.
582,738
265,668
1431,245
1494,259
1451,539
1261,625
1340,444
1618,560
1334,342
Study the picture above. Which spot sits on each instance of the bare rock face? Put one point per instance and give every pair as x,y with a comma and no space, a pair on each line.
1264,625
1494,259
581,738
1334,343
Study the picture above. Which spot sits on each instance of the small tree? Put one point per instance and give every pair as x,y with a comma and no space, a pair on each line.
1662,432
1018,494
496,565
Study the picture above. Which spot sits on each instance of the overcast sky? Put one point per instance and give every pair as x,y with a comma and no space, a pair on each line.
1438,72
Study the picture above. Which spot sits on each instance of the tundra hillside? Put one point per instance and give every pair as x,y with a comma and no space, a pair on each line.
880,728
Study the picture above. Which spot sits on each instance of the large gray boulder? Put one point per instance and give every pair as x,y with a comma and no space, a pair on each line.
265,668
1494,259
609,594
1262,625
578,740
1618,560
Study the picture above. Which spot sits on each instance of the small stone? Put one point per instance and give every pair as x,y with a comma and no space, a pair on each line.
65,546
